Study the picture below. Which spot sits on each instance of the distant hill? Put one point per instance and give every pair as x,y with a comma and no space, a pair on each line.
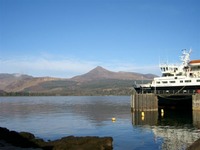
101,73
18,82
98,81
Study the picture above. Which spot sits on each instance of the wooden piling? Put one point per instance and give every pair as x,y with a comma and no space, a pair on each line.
196,101
144,102
196,118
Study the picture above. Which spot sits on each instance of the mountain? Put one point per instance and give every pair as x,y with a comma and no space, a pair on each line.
18,82
94,74
98,81
11,79
102,73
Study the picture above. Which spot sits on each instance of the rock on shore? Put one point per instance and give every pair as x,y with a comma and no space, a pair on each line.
25,140
195,145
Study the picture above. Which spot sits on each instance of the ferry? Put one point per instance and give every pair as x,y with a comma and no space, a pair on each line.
183,78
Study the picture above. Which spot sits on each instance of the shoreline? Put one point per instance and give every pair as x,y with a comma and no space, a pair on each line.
25,140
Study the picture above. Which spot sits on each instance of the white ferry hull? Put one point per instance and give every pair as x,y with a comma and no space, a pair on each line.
175,90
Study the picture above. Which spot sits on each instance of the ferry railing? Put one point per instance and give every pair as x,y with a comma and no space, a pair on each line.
174,92
167,92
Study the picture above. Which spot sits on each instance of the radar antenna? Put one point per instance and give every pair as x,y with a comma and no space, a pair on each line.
185,58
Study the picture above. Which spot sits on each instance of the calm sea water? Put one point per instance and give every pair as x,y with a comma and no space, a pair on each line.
51,118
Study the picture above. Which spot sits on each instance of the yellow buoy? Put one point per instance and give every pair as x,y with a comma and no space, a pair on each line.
162,112
113,119
142,114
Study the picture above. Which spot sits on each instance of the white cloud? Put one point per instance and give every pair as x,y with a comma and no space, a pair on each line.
45,67
133,67
64,67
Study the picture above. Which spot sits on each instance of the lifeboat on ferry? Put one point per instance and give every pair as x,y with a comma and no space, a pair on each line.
194,63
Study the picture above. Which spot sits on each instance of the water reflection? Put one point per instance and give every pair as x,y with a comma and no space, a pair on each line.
175,138
173,117
99,112
177,128
167,117
145,118
55,117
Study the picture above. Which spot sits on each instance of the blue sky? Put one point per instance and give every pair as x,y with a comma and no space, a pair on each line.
64,38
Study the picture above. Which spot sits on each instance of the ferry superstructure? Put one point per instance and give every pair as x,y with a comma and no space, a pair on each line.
175,79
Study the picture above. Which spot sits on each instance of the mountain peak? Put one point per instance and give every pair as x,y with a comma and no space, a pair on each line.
99,69
99,73
96,73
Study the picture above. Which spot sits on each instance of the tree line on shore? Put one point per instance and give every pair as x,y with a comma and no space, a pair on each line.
84,92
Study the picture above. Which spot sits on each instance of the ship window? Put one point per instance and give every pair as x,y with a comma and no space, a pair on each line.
181,81
172,81
179,74
164,82
187,81
158,82
198,80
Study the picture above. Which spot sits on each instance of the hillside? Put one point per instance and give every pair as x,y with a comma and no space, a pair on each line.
101,73
98,81
18,82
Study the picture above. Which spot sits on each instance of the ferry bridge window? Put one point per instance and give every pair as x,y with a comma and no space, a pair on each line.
187,81
181,81
172,81
158,82
198,80
164,82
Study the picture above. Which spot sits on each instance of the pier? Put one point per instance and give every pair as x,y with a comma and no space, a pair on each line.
150,101
146,112
144,102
